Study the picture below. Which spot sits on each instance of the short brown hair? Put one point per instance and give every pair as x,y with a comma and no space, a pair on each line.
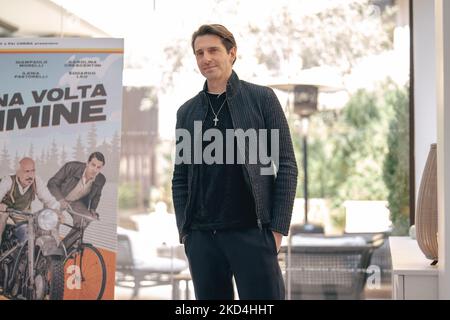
97,155
219,30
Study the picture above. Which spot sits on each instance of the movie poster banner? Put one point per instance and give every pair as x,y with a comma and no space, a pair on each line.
60,124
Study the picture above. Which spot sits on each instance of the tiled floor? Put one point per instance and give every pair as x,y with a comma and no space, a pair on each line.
382,293
163,292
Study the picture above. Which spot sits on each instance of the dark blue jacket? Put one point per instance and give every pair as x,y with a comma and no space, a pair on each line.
251,107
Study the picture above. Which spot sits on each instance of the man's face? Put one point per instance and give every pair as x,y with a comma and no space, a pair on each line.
213,60
26,173
93,167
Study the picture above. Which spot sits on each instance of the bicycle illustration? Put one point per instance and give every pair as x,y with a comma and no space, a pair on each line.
84,262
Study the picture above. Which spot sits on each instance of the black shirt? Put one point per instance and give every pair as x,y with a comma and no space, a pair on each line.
224,199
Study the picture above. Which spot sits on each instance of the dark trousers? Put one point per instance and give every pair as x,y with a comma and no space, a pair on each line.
250,255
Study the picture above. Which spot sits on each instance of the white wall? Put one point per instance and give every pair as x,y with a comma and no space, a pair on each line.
431,23
425,119
442,14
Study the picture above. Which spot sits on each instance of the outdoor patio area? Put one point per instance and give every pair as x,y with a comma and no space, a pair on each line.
350,266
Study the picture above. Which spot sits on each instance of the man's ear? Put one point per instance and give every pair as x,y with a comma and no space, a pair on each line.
233,52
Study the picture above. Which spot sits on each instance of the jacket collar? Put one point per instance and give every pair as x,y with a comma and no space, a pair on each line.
233,85
80,171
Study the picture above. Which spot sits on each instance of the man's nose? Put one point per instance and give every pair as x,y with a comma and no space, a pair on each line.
207,57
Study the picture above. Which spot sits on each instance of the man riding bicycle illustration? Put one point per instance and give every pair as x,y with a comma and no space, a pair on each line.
80,185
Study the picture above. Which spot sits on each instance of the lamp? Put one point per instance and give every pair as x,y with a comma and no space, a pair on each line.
305,91
305,104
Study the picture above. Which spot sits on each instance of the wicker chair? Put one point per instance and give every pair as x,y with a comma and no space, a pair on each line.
327,271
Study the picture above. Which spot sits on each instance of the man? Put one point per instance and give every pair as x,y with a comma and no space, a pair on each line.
18,192
80,185
231,217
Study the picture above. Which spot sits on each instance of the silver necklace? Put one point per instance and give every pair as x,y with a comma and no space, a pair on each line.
216,119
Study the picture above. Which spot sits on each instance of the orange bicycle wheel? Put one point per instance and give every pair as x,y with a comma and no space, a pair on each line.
88,267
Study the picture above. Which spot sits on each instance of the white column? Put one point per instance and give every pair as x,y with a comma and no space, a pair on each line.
425,122
442,33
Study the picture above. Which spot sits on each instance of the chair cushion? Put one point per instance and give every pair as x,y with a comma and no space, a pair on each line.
145,258
299,240
161,265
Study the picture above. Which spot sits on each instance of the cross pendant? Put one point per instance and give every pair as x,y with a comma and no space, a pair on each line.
215,121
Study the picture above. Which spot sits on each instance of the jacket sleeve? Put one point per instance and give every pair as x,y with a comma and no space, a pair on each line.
55,182
179,182
96,198
285,184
